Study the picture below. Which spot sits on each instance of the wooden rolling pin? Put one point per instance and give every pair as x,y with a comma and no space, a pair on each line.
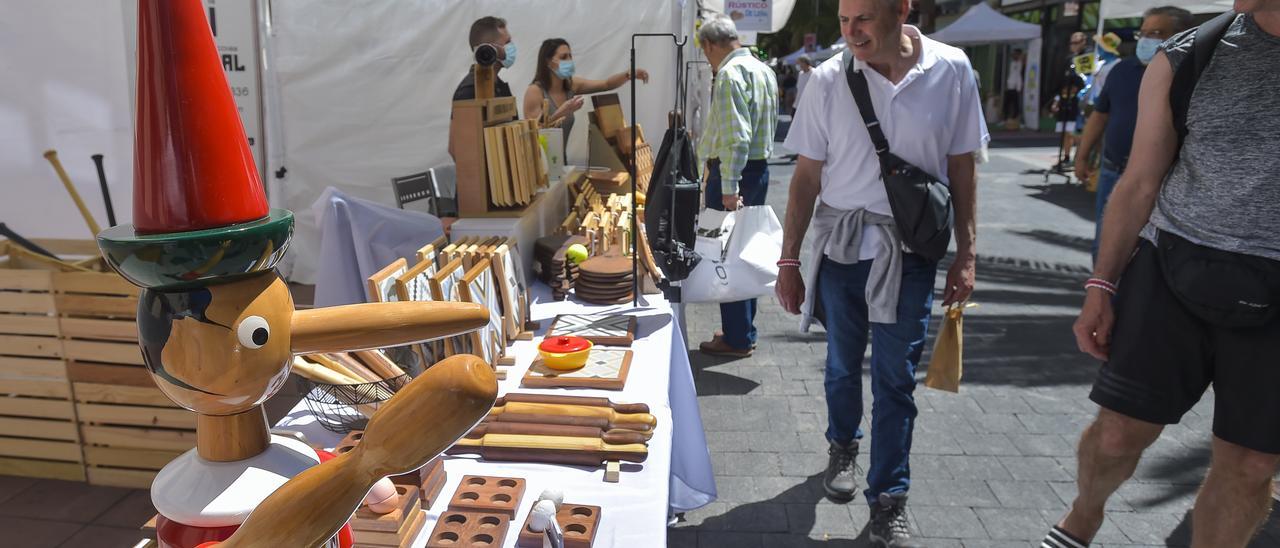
573,400
617,437
549,449
633,421
601,423
308,510
379,363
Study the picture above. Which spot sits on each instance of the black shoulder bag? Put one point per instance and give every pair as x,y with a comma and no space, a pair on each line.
921,204
1223,288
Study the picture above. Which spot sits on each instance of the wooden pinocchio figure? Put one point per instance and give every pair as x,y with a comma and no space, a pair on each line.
218,329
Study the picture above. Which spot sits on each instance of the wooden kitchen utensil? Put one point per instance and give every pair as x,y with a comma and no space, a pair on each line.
634,421
550,449
616,437
594,422
572,400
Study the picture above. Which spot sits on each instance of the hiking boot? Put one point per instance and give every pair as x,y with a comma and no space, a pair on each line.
889,527
841,478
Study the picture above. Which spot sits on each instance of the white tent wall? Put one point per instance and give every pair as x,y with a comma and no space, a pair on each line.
65,88
364,88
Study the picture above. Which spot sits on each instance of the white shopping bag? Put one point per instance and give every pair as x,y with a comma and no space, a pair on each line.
739,251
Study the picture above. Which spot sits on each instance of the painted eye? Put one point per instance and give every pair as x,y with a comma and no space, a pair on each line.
253,332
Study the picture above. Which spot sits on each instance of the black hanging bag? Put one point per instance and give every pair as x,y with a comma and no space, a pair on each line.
921,204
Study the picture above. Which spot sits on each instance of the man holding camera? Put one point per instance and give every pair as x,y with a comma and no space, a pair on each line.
925,97
492,45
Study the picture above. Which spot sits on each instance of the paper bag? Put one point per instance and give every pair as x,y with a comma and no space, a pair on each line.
946,364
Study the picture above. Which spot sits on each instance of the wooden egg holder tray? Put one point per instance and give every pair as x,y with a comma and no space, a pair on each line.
479,513
578,521
397,528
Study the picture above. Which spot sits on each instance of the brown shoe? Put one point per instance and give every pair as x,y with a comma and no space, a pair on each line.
719,336
717,347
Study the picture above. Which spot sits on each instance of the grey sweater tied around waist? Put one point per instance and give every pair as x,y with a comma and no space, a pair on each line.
837,235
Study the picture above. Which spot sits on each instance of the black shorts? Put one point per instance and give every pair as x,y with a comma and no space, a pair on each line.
1163,358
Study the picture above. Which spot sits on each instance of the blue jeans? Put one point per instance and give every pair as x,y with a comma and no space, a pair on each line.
738,318
895,353
1107,177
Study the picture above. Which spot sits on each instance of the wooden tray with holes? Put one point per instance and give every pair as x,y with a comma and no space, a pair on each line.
488,495
578,521
606,369
473,529
601,329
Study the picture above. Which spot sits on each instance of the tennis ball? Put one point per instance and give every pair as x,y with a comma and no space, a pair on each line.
576,253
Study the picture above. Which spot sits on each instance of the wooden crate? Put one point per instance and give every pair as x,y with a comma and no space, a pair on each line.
129,428
38,431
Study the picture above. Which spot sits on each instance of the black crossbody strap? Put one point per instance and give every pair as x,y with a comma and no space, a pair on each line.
862,96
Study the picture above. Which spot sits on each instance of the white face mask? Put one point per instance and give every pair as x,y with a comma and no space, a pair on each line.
1147,48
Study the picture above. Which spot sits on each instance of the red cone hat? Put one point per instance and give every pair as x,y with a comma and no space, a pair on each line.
200,216
192,165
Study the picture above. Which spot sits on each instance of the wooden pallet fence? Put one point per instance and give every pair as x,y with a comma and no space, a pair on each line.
129,428
38,432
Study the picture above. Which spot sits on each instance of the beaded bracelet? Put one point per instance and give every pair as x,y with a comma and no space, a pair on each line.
1102,284
789,262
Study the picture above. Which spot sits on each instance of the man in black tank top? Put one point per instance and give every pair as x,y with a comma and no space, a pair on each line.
1215,193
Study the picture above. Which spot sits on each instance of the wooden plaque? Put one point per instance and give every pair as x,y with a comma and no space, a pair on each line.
601,329
606,369
445,287
477,287
382,285
415,285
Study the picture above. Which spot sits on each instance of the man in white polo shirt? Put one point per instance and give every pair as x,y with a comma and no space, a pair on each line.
926,99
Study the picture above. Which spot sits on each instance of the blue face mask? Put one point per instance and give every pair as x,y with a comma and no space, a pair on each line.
565,70
511,55
1147,48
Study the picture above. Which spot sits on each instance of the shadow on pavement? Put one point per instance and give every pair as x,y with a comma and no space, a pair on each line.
801,501
716,383
1269,537
1071,197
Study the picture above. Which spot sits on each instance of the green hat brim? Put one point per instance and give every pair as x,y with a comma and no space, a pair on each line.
182,260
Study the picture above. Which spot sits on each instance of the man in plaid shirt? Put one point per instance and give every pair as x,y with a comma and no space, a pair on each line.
736,145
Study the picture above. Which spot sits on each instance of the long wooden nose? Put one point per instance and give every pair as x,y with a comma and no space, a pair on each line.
376,325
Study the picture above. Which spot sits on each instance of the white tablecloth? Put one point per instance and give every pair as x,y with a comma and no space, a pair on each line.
677,475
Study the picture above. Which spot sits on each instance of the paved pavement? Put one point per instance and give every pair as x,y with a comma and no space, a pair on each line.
994,465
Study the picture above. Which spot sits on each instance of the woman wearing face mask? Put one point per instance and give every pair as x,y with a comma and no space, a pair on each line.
556,94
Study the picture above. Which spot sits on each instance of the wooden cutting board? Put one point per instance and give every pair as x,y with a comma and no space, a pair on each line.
606,369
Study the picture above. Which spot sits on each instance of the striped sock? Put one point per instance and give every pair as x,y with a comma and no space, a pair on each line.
1058,538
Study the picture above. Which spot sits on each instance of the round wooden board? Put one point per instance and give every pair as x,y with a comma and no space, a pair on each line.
605,295
628,298
606,267
599,287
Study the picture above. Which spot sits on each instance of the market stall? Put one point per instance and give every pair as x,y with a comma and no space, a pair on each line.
983,25
528,350
675,477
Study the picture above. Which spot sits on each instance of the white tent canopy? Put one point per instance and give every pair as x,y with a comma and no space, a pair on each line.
983,25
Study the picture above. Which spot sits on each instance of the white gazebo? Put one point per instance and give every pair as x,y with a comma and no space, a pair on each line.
983,25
